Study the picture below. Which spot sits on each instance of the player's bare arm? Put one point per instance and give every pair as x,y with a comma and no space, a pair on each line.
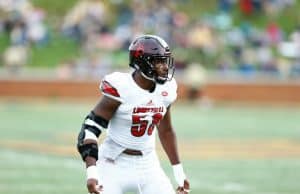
168,140
87,140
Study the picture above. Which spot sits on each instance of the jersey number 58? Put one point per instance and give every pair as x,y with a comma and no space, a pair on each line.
140,124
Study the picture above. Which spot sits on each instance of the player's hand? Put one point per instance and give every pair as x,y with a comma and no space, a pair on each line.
185,189
93,187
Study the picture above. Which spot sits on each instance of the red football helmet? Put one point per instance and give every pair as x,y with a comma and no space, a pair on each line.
147,50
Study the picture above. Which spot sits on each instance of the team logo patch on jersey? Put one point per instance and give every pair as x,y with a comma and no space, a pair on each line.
107,88
164,93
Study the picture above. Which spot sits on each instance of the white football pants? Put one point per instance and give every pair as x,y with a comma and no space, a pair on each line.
138,174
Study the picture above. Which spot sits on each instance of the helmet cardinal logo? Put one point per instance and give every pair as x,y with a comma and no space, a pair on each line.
139,50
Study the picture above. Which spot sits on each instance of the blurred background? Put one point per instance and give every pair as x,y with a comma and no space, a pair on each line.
237,67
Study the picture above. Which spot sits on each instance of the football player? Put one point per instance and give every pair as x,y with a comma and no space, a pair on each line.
133,107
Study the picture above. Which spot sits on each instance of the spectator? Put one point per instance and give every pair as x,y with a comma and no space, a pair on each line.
246,7
274,33
15,57
85,18
37,31
225,5
195,78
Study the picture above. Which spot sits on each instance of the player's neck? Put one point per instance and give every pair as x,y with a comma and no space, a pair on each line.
143,82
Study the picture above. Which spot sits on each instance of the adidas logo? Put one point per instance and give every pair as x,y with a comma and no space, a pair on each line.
150,103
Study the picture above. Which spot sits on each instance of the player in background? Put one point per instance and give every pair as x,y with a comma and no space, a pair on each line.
133,107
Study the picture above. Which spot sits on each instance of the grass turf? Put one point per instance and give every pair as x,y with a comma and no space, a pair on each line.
28,171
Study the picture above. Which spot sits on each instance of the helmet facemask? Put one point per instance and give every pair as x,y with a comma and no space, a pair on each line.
163,60
147,66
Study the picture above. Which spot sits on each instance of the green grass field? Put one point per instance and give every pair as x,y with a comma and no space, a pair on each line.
226,149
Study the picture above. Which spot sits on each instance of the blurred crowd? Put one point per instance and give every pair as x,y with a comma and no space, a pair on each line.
211,40
24,24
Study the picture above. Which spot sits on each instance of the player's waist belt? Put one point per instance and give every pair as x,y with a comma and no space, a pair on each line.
133,152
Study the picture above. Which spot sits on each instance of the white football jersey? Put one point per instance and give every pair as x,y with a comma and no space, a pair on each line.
133,124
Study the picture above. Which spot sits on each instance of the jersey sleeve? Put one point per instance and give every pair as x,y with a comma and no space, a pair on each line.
112,87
